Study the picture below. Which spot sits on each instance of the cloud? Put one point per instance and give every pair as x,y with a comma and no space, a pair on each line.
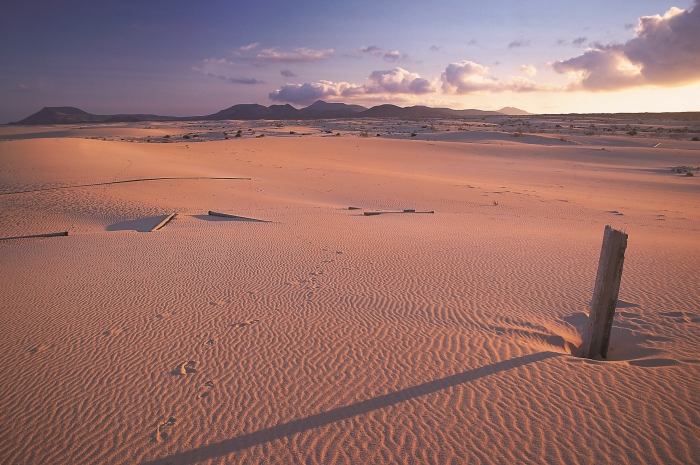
392,55
473,42
249,47
373,49
561,43
434,48
530,70
287,73
299,55
665,52
468,77
232,80
396,81
23,87
308,92
519,43
629,26
579,41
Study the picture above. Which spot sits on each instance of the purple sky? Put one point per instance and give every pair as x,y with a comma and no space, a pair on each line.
184,58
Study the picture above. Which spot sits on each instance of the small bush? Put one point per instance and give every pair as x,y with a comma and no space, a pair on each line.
689,173
186,136
696,139
495,204
167,136
632,132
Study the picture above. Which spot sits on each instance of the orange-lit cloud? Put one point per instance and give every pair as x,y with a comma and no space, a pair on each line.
665,52
468,77
299,55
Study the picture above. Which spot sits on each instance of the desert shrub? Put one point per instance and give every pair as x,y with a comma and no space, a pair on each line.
292,132
364,134
632,132
186,136
167,136
414,134
689,173
696,139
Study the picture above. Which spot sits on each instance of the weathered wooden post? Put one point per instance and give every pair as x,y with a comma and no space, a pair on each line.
607,286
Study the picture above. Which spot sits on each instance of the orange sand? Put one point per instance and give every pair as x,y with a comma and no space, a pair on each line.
325,336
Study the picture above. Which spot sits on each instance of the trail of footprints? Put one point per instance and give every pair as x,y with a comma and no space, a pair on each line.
189,367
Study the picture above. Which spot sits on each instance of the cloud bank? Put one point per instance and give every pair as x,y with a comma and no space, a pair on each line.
665,52
467,77
389,82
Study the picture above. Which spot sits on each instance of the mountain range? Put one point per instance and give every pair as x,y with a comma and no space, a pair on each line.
253,111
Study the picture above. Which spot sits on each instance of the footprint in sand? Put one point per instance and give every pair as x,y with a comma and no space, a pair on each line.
114,332
241,324
185,368
164,430
41,348
208,387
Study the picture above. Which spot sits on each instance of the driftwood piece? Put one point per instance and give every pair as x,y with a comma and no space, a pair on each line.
63,233
164,222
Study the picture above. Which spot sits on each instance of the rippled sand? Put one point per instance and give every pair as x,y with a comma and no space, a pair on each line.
321,335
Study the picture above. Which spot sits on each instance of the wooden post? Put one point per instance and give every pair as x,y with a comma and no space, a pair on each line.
607,286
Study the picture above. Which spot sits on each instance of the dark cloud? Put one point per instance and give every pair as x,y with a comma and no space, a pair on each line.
237,80
287,73
392,56
664,52
579,41
434,48
372,49
519,43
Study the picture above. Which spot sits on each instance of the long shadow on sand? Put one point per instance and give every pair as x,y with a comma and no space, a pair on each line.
237,218
283,430
140,225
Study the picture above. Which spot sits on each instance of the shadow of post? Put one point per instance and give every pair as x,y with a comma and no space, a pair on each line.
283,430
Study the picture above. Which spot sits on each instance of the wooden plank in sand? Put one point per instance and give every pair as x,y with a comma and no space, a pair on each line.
164,222
56,234
607,287
402,211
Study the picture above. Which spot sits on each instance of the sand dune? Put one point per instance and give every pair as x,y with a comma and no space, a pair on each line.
321,335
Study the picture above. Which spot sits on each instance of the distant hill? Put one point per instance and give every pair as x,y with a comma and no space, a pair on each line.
393,111
253,111
512,111
60,115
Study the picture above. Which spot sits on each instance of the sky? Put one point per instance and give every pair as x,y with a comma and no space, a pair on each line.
184,58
